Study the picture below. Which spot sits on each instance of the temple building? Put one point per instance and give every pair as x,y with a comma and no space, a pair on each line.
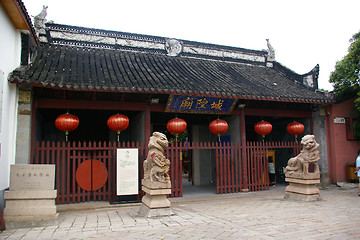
94,74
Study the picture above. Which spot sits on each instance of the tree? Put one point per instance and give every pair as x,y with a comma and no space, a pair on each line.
346,77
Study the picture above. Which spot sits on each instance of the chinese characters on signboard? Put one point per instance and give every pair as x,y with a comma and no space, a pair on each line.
24,96
198,104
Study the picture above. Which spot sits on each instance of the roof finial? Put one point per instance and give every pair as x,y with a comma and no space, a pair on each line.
39,20
271,51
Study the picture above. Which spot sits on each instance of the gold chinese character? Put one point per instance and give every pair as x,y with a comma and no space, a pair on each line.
201,103
218,105
187,103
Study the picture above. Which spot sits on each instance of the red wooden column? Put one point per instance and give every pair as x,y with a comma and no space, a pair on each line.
243,152
2,222
147,127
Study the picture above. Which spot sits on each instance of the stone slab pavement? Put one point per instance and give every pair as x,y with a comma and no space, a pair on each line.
253,215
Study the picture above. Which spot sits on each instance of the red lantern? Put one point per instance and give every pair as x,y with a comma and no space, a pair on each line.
176,126
263,128
218,127
67,122
295,128
118,123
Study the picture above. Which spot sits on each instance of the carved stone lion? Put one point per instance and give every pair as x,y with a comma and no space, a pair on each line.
156,166
309,155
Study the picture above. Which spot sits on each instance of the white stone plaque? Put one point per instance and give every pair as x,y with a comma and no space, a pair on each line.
29,177
127,171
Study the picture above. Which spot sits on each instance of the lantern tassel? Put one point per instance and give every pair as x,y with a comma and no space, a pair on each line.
118,136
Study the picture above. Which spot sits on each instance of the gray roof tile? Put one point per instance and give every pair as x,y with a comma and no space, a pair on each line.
98,69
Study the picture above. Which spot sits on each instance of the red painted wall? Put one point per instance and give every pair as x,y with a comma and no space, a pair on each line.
340,151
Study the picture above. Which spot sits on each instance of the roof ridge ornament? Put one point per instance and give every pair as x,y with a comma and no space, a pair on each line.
39,20
173,47
271,51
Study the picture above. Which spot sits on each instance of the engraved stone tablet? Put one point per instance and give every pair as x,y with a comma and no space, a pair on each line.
30,201
29,177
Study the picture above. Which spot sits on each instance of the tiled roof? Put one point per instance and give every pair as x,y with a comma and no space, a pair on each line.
98,69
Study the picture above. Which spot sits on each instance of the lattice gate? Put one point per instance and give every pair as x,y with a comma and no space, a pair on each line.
234,173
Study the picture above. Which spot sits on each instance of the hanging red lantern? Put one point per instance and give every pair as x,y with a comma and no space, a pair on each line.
263,128
67,122
295,128
176,126
218,127
118,123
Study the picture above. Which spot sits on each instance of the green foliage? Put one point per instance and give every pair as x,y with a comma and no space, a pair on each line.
346,77
181,137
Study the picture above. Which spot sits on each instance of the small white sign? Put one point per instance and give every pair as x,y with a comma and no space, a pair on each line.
127,171
339,120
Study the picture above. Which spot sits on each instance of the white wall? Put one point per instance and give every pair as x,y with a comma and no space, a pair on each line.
10,51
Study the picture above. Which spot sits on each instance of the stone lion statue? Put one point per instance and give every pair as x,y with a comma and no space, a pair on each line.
308,155
156,166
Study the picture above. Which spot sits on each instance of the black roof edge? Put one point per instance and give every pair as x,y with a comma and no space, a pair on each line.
29,22
298,78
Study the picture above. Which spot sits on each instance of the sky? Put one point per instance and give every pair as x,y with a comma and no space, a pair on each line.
303,33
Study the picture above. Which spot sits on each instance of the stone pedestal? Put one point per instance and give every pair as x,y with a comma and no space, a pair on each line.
155,202
303,187
30,202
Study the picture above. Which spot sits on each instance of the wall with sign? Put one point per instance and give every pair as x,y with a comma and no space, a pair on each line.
10,49
342,151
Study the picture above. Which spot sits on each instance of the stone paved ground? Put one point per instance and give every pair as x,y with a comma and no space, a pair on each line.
256,215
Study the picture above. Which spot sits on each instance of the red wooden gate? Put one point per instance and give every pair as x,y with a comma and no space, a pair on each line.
173,154
68,156
233,172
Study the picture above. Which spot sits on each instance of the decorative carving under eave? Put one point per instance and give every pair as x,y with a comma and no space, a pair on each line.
271,51
156,166
298,167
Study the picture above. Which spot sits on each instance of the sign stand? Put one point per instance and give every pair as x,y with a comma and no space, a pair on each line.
127,177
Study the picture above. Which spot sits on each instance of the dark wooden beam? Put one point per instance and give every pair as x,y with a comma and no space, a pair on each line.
274,113
97,105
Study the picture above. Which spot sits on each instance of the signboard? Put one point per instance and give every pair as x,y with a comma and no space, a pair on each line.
199,104
127,171
24,96
339,120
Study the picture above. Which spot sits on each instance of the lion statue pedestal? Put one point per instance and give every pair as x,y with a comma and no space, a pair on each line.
156,182
303,173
